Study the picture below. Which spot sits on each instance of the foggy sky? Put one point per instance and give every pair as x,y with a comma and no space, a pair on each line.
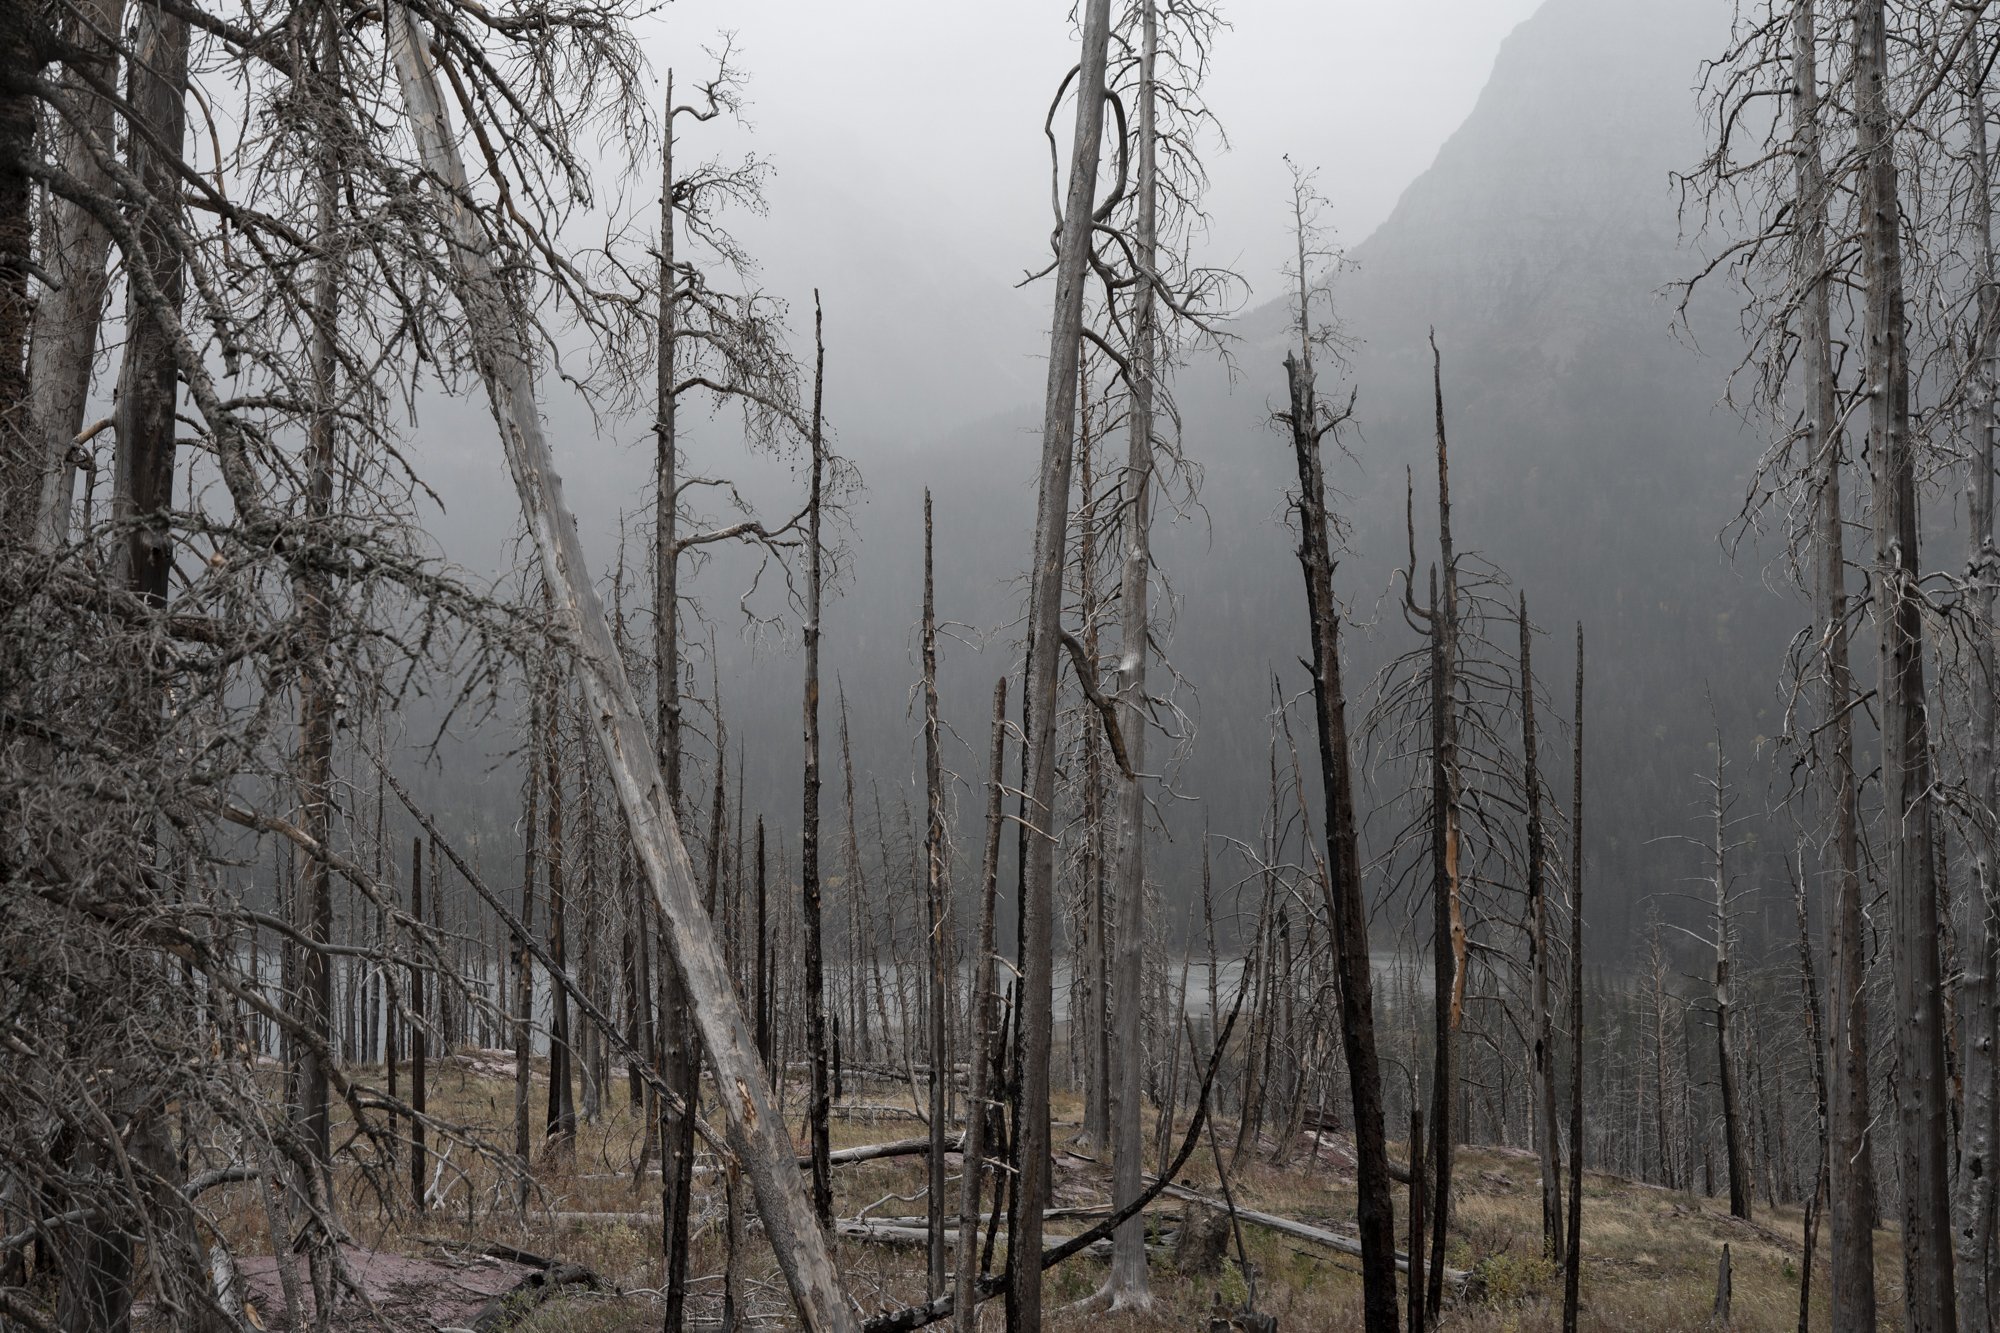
912,176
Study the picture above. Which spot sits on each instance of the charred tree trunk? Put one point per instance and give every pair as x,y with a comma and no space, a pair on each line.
1850,1151
1573,1251
1447,912
985,1038
1733,1130
1923,1094
822,1170
935,853
1345,908
1546,1145
559,1127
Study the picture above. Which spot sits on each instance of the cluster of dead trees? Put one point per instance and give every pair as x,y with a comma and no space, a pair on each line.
1851,189
262,237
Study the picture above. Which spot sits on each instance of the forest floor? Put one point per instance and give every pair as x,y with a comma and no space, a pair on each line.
1650,1254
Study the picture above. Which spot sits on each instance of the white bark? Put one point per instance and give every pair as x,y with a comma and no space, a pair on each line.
1128,1262
76,247
756,1133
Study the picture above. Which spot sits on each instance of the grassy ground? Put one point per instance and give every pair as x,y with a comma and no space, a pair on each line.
1650,1255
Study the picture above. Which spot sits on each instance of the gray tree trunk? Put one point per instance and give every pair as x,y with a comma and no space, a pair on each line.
1128,1285
756,1133
1850,1147
985,1036
1547,1146
1973,1219
1923,1094
822,1170
1024,1294
75,248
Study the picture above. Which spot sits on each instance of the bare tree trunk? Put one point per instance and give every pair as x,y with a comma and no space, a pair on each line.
1725,1049
1415,1283
559,1126
1546,1145
935,852
26,45
1973,1218
822,1170
1447,912
1346,910
1573,1252
1128,1284
75,247
317,699
1024,1293
524,968
764,1049
1850,1151
1922,1091
1815,1033
757,1134
980,1084
419,1038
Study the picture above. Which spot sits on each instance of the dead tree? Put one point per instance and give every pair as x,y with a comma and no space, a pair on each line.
1974,1209
756,1132
1547,1144
1309,423
75,247
816,1052
936,853
985,1037
1922,1092
1573,1251
1073,241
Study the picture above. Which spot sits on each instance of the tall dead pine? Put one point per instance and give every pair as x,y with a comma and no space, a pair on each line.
1346,911
1045,598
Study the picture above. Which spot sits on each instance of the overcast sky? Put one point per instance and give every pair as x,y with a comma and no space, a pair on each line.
912,178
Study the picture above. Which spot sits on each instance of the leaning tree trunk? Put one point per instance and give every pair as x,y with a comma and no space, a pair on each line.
757,1135
1128,1246
1024,1294
1973,1219
1923,1094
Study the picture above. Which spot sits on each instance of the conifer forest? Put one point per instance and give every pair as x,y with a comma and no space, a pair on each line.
1129,665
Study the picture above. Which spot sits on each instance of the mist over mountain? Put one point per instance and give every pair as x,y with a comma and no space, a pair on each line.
1590,462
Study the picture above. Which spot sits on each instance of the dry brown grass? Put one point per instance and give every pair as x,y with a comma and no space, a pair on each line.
1650,1254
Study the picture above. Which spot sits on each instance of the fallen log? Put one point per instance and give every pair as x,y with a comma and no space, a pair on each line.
1285,1226
535,1287
875,1152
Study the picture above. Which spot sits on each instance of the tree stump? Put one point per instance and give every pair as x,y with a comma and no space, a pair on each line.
1204,1235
